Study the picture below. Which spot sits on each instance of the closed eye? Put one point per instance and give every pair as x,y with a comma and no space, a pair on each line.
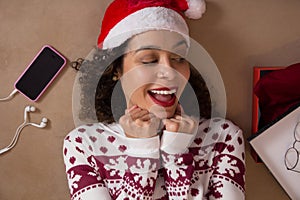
149,62
179,59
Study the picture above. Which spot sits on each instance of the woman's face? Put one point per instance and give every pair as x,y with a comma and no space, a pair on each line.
155,72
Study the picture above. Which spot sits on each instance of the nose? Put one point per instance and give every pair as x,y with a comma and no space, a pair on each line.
165,69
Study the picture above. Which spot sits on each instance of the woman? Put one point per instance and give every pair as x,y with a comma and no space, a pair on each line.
146,146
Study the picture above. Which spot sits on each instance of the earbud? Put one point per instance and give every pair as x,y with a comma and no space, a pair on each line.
27,110
30,109
43,123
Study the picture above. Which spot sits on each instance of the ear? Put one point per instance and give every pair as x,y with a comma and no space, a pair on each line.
119,72
116,74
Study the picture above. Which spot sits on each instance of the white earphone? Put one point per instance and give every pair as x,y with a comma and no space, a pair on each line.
26,122
28,109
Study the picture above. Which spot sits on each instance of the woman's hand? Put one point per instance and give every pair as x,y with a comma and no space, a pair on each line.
139,123
181,122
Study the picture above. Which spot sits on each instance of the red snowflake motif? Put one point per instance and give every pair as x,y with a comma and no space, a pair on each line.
194,192
213,190
65,151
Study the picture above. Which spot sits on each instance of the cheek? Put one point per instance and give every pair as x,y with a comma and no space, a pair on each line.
136,80
185,73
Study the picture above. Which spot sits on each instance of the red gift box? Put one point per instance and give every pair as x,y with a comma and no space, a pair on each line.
258,72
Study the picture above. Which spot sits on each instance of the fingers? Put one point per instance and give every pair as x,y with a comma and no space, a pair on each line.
145,120
184,124
131,109
137,113
171,125
139,123
137,120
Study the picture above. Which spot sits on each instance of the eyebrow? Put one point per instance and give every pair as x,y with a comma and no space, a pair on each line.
182,42
151,47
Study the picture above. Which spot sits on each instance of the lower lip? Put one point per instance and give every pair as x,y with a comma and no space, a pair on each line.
162,103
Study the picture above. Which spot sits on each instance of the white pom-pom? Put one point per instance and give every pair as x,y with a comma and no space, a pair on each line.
196,9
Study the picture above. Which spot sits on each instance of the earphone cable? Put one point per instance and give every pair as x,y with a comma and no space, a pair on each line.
15,138
23,125
10,96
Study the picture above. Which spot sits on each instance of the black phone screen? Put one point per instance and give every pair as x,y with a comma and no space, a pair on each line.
40,73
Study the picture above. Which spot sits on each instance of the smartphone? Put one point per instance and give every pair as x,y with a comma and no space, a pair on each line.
40,73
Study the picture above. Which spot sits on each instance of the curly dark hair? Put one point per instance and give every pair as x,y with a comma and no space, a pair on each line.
106,64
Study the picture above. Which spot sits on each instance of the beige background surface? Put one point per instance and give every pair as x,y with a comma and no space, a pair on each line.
238,34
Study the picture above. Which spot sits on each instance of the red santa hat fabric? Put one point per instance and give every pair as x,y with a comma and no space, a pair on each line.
126,18
278,91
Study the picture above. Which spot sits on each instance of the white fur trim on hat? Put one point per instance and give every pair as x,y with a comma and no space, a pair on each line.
147,19
196,9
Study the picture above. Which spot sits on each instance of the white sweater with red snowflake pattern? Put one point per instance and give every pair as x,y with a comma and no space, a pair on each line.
102,163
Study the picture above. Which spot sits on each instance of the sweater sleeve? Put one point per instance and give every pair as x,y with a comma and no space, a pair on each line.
110,166
178,165
228,177
83,177
210,165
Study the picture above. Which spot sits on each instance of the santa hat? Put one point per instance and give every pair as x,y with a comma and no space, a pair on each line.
277,93
126,18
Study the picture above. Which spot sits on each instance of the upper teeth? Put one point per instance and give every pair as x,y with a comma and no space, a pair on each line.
163,91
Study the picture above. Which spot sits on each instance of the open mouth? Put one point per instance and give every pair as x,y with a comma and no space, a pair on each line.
163,96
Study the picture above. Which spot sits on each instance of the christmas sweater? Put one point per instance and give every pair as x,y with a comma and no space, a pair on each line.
102,163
